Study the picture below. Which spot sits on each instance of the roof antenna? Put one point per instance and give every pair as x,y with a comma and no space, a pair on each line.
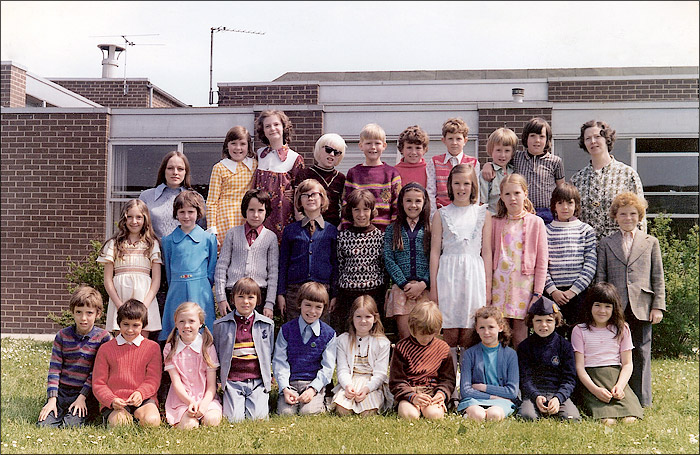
109,63
211,55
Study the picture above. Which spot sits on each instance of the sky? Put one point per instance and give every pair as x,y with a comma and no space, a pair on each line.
59,39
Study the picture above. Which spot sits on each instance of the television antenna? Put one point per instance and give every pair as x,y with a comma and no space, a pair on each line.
211,54
127,42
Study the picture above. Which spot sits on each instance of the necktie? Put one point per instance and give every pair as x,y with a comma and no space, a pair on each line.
251,236
312,227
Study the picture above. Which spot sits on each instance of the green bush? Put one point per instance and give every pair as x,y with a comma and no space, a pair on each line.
678,334
89,272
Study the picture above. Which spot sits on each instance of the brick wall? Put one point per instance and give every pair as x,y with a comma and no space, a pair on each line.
307,127
626,90
110,92
513,118
247,95
13,86
54,171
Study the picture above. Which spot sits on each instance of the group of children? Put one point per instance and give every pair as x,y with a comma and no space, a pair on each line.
438,246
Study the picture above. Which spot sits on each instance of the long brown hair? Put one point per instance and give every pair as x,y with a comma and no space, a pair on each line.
401,217
368,303
164,164
122,235
207,338
516,179
604,293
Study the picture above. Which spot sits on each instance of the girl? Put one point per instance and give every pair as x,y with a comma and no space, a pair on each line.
191,361
189,254
278,166
308,251
230,178
328,153
360,259
132,265
362,359
406,253
603,352
520,256
489,378
460,262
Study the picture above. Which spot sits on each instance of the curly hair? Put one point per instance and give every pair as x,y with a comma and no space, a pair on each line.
286,125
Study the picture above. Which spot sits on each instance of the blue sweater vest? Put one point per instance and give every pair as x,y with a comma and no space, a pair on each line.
305,359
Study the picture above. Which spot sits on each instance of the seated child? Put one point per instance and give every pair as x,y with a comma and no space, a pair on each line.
69,388
251,250
127,371
422,375
244,340
304,357
547,366
489,369
413,144
500,147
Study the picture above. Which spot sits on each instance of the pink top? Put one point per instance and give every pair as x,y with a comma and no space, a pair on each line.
599,346
412,172
189,363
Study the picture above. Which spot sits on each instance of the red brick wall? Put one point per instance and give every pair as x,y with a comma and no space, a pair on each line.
54,171
247,95
110,93
627,90
13,86
513,118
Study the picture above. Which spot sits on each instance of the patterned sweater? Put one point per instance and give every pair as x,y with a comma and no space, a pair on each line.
572,255
415,365
408,264
360,259
72,359
384,182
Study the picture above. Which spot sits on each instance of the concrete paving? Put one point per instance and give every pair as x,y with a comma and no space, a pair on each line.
33,336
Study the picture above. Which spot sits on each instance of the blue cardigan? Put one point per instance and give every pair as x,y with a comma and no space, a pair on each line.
400,263
472,372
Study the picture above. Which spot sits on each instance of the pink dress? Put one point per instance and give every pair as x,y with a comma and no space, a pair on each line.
189,363
510,289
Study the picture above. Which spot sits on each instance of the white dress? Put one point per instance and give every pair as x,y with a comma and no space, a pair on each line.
461,279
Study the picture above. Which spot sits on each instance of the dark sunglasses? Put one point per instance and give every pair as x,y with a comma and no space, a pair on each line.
331,151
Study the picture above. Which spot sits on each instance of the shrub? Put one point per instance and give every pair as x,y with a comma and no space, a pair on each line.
678,333
89,272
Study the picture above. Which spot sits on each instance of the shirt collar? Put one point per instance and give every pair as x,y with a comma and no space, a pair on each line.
196,234
137,341
240,316
633,232
319,221
233,165
315,326
82,337
448,156
162,187
249,228
196,345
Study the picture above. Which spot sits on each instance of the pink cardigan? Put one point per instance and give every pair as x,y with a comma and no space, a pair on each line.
535,252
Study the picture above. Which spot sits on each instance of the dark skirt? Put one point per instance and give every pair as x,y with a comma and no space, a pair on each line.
607,377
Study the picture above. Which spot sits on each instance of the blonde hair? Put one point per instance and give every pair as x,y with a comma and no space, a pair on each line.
305,186
332,140
372,131
146,234
368,303
516,179
628,198
425,318
207,338
503,136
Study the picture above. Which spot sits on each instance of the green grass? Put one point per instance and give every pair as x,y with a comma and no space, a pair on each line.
670,426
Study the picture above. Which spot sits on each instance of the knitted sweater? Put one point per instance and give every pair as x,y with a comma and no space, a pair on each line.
414,364
572,255
122,370
384,182
546,366
305,359
72,359
412,172
408,264
360,259
333,181
259,261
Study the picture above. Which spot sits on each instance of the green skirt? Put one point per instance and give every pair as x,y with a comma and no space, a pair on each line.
607,377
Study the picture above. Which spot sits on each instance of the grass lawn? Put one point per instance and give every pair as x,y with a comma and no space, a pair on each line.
670,426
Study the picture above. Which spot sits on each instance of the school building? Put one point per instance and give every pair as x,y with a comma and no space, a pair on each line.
74,150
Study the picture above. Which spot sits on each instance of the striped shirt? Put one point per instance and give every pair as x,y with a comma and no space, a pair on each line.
384,182
572,255
541,173
244,358
72,359
416,365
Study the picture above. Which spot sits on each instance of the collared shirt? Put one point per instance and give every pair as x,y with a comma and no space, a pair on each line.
252,233
196,345
541,173
137,341
490,192
455,160
627,240
159,201
319,221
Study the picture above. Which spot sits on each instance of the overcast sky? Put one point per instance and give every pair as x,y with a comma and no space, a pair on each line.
58,39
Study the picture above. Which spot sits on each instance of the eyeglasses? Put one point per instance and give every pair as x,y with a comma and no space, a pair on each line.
331,151
315,195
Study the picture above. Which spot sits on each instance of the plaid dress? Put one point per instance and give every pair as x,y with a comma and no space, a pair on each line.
226,190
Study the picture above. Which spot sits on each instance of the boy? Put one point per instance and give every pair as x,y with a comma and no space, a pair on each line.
304,357
127,371
542,169
244,339
413,144
631,260
382,180
70,370
572,255
454,136
547,366
500,147
422,373
249,250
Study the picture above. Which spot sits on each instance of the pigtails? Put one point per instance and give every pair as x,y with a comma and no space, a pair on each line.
207,341
172,341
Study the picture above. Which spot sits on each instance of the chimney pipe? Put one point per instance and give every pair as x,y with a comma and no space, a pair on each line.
109,62
518,95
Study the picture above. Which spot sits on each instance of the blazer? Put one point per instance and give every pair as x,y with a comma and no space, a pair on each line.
640,279
263,337
378,358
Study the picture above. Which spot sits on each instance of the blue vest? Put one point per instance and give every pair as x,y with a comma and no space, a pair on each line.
305,359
